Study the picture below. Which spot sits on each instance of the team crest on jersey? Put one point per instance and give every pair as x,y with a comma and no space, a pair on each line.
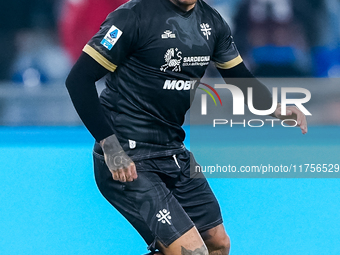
206,29
168,34
173,59
111,37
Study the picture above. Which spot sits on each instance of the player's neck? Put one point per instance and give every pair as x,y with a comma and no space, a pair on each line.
184,5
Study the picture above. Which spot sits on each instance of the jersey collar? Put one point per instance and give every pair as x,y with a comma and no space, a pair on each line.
178,10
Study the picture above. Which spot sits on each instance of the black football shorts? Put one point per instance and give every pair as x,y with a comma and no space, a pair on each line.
164,202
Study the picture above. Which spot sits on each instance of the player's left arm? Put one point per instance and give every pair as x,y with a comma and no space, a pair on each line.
240,76
292,113
231,67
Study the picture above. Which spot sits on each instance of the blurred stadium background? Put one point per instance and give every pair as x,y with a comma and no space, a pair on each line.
48,199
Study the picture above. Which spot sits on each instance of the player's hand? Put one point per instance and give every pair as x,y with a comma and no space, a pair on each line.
294,113
120,165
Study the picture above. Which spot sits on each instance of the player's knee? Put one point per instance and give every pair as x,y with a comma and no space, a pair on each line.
185,249
226,243
220,242
189,243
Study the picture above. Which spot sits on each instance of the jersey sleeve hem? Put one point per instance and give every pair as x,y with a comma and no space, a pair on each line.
230,64
99,58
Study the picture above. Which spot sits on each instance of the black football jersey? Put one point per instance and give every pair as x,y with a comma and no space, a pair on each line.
156,54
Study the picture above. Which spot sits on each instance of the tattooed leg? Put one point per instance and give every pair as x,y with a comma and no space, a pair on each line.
189,243
199,251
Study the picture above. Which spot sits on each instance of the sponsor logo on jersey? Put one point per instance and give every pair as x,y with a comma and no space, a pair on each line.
179,84
111,37
168,34
173,59
206,29
196,61
164,216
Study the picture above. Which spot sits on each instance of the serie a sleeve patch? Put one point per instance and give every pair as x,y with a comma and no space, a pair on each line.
111,37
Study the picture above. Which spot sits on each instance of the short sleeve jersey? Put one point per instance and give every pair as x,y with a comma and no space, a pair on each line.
156,54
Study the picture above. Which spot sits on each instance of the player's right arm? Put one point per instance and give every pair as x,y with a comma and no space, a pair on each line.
94,63
82,89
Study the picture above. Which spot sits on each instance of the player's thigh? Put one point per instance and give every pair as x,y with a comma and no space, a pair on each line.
146,203
194,194
114,192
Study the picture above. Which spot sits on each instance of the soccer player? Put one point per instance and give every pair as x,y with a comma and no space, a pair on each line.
153,52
